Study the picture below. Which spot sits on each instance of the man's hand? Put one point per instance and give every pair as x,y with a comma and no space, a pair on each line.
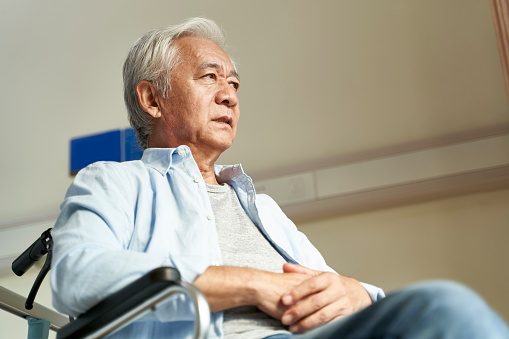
270,290
228,287
323,298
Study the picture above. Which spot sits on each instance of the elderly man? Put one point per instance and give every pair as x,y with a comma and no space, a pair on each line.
176,207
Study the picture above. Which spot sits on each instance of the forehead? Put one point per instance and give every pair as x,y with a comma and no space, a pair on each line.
196,51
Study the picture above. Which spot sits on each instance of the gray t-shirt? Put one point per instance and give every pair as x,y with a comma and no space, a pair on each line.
243,245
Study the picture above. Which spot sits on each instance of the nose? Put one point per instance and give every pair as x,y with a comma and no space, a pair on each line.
227,95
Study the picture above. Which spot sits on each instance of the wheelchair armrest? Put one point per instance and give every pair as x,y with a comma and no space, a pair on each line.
130,302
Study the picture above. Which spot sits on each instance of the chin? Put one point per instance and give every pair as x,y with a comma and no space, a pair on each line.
223,146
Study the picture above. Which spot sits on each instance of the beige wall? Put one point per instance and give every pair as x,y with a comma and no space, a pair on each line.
319,79
462,238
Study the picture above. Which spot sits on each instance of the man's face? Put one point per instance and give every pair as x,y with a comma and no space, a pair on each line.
202,109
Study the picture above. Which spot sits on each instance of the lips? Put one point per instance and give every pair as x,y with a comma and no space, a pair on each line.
224,120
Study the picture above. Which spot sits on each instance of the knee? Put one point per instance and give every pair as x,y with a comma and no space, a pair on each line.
439,309
446,296
443,289
454,308
449,288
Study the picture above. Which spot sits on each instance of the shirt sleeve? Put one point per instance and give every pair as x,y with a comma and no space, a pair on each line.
91,237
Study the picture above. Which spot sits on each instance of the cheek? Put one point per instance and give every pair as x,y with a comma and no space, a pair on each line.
237,115
234,130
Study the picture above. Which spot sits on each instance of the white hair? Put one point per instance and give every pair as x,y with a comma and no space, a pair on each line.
152,58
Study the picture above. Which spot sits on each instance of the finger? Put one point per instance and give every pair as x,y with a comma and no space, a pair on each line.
294,268
312,304
321,317
306,288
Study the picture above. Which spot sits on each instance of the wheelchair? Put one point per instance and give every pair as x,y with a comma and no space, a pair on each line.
112,313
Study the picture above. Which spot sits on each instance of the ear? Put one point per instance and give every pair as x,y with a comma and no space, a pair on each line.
147,97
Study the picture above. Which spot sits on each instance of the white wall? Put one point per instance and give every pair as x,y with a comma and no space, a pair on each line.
319,79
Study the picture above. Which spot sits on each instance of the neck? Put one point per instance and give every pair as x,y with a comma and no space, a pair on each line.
206,163
209,176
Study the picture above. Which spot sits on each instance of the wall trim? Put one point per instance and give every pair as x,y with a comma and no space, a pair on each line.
379,152
384,181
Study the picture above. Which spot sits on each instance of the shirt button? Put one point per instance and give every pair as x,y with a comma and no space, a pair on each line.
182,152
210,217
197,179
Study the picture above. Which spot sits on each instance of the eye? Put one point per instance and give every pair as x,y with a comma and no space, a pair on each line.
210,76
235,85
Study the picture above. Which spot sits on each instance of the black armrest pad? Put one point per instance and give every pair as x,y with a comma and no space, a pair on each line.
120,302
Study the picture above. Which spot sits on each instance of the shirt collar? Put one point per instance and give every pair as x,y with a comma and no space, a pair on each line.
161,159
225,173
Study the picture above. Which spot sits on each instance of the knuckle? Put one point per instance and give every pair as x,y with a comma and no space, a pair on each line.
296,312
315,320
331,279
317,303
313,284
335,278
322,317
304,326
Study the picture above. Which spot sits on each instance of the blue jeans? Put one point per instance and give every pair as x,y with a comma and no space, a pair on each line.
436,309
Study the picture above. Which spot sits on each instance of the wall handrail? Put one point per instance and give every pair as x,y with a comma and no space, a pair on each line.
15,304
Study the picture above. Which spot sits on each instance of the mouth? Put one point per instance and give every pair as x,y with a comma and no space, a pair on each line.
224,120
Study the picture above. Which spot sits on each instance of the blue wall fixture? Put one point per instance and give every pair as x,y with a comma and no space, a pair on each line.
132,149
117,145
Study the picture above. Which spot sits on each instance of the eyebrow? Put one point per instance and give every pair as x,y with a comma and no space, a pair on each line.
218,67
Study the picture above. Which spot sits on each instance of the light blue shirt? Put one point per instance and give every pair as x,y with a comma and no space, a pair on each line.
121,220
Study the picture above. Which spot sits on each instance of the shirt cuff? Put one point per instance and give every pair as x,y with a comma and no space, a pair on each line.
374,292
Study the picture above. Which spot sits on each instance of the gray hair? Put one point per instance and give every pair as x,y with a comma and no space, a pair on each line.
152,58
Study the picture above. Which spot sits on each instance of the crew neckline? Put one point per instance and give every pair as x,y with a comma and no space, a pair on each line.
221,188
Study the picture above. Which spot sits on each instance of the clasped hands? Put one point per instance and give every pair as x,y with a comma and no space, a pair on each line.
312,298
